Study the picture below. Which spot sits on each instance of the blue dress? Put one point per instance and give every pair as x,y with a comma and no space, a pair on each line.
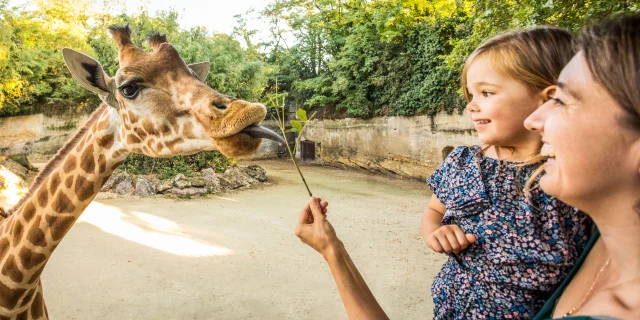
523,250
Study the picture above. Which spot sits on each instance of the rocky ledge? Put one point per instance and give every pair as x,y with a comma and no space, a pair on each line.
206,182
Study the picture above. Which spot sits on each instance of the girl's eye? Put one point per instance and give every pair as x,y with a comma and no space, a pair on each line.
487,93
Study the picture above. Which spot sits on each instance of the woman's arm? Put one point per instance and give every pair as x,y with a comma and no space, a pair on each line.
315,230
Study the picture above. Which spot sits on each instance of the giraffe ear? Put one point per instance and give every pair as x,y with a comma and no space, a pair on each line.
88,72
201,69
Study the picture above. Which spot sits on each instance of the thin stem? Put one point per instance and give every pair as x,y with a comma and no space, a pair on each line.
293,158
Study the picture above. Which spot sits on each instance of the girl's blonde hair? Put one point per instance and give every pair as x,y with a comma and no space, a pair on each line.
534,57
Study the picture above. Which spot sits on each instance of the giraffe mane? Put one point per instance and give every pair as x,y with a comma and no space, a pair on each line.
57,159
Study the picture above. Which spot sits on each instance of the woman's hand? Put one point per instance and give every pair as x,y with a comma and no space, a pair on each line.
449,238
314,229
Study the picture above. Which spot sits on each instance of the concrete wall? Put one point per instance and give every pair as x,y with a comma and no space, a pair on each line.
409,146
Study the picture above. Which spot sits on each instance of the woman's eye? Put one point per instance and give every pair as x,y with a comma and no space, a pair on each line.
487,93
130,91
557,101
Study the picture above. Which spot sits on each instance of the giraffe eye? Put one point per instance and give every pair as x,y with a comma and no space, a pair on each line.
130,91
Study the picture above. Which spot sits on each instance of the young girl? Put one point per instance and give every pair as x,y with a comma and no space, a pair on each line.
507,250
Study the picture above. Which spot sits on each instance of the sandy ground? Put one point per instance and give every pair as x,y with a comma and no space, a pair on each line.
235,256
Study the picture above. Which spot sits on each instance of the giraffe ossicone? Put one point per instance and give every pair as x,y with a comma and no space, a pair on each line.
156,105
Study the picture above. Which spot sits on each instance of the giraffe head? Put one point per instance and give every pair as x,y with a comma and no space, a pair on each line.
164,107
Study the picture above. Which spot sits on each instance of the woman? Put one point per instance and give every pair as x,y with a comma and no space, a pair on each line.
591,130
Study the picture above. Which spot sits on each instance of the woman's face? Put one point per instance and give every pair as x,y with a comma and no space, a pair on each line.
591,154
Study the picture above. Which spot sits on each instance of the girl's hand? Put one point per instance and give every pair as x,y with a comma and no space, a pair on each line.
449,238
314,229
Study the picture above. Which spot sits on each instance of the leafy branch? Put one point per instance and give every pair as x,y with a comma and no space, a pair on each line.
297,126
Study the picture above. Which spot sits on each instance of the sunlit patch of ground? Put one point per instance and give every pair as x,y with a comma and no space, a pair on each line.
12,188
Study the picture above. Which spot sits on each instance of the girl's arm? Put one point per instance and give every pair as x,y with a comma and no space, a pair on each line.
314,230
442,239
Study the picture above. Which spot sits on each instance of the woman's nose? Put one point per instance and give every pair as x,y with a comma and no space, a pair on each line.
535,121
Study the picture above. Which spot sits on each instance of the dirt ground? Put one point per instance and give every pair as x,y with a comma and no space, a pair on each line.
234,256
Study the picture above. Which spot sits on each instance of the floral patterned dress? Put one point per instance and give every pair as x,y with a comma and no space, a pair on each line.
523,248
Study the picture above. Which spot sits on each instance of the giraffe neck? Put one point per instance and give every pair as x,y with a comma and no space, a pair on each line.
29,236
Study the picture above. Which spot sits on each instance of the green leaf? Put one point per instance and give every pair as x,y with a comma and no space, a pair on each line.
302,115
292,130
296,125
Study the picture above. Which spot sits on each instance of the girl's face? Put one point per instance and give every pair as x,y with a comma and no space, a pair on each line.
591,154
499,104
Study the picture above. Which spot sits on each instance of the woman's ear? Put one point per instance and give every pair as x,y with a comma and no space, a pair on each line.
548,93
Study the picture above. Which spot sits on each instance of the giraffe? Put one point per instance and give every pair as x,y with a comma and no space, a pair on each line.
155,105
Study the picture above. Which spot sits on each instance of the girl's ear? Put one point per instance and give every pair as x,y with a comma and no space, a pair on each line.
548,93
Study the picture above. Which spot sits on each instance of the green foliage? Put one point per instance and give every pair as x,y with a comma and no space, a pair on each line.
34,78
167,168
400,57
366,58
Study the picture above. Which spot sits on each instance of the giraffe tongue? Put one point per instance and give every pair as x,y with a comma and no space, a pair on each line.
262,132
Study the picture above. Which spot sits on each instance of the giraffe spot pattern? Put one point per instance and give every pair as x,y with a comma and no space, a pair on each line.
68,182
17,233
43,195
62,204
55,182
84,188
10,269
30,259
106,141
9,297
69,164
29,211
87,161
102,164
37,307
59,225
36,235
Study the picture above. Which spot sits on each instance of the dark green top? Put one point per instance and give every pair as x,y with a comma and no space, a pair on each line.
547,310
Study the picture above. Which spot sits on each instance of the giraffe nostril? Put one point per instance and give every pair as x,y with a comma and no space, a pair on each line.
220,105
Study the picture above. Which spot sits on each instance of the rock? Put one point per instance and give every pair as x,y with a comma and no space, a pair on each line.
180,181
145,188
114,180
188,191
163,185
235,178
211,179
125,186
257,173
197,182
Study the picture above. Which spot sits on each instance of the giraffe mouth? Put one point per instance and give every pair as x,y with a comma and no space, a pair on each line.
261,132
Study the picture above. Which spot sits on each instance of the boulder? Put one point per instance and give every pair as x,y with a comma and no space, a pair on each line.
14,167
180,181
256,172
145,188
125,186
114,180
237,178
163,185
188,191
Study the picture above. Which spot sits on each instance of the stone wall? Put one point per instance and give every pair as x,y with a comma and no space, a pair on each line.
409,146
37,136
